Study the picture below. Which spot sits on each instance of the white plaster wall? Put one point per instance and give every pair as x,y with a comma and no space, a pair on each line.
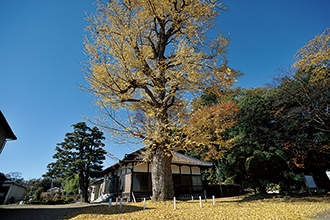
195,170
175,169
142,167
16,192
128,179
185,170
92,193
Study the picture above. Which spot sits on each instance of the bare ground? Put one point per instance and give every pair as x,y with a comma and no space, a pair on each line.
55,212
46,212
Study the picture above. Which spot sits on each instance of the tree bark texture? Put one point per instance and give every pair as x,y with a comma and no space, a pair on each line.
161,175
83,188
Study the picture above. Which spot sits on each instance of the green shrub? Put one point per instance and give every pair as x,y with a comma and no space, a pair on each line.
59,199
37,194
27,193
53,194
69,199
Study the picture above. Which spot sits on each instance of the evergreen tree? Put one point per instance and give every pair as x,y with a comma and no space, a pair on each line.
301,108
80,153
72,186
257,158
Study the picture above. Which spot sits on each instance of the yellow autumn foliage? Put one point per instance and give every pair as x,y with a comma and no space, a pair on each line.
225,208
316,55
146,60
150,58
206,128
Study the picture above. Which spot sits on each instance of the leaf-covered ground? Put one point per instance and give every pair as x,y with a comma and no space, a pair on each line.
225,208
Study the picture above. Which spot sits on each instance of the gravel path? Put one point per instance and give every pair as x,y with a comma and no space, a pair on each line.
322,216
46,212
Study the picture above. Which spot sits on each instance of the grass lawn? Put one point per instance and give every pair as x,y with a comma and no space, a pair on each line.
248,207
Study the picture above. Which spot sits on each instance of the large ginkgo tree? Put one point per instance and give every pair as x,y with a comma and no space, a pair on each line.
149,58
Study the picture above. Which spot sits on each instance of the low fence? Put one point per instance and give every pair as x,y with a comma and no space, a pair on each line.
227,190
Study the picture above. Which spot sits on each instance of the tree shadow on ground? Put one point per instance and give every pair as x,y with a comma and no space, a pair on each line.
104,210
35,212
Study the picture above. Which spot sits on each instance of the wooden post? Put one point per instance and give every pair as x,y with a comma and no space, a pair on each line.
134,200
174,203
132,179
200,201
120,203
213,200
144,203
110,201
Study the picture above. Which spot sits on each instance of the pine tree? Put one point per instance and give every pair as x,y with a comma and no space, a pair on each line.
80,153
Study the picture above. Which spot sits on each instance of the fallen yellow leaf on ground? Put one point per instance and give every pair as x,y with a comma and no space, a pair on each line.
225,208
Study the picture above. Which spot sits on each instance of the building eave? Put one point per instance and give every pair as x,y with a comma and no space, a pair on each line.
178,159
13,183
6,127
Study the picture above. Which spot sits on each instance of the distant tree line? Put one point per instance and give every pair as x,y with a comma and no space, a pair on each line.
280,130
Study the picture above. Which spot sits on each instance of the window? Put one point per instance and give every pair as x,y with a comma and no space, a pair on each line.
176,180
185,180
140,182
197,183
122,184
197,180
111,185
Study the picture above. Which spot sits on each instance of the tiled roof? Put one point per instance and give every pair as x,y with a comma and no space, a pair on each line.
186,160
9,182
179,159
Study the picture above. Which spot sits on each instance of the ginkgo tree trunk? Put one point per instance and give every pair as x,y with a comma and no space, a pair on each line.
149,58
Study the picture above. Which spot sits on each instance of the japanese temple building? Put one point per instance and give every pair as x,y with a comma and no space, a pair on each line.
130,178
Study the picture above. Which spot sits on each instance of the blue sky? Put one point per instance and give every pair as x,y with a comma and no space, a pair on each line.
41,50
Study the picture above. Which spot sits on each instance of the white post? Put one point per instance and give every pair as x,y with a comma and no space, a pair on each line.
120,203
144,203
110,201
213,200
117,201
133,197
174,203
328,173
200,201
192,198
